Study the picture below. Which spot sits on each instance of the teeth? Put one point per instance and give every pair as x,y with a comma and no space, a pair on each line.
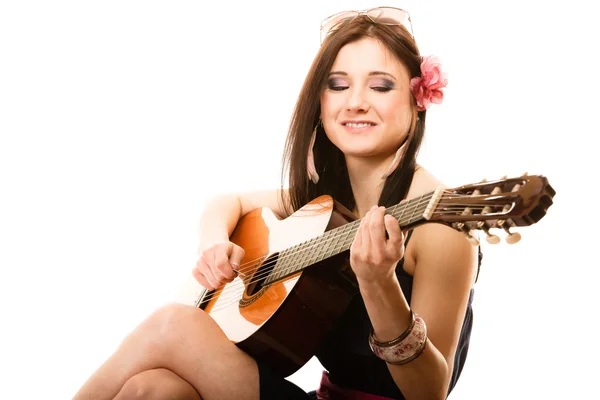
361,125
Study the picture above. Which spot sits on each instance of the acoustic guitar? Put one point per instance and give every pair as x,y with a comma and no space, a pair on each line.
295,280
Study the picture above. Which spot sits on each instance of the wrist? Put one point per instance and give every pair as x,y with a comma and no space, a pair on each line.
379,285
388,309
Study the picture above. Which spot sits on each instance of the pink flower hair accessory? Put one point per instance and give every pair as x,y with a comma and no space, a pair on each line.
428,88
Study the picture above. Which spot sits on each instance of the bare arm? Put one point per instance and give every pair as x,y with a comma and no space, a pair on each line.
445,267
222,213
219,259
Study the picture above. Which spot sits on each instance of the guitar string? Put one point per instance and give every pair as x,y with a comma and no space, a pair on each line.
342,228
264,273
291,254
260,275
415,206
235,287
232,293
250,264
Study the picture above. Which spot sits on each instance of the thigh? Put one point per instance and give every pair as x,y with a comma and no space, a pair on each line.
273,387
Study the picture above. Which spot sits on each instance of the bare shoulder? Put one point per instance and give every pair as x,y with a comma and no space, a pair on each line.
423,182
434,242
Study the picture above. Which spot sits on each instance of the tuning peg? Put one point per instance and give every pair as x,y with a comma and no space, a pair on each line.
460,226
491,239
472,239
512,238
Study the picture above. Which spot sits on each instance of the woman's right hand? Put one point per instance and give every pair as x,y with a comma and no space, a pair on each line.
218,264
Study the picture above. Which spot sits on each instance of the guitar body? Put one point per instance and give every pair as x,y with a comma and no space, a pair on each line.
283,323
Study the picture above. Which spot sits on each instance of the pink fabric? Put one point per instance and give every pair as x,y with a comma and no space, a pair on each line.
330,391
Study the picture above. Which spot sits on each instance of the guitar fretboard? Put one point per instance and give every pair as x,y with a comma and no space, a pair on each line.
333,242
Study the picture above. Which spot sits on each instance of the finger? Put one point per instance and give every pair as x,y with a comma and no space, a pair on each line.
208,273
377,227
236,257
366,235
222,267
396,237
201,279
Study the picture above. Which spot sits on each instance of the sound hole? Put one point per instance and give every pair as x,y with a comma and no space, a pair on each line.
260,275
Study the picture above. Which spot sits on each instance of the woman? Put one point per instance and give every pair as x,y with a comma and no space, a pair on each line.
355,134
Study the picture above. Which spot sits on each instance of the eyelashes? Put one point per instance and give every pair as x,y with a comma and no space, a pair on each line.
338,85
382,89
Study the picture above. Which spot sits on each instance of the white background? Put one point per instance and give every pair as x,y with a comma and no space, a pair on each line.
118,119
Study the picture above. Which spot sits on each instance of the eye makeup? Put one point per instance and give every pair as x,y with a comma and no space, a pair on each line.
337,84
382,85
379,85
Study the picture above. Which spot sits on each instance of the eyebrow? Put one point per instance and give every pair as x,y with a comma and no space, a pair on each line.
372,73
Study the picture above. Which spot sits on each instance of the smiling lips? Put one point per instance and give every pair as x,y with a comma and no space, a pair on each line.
358,126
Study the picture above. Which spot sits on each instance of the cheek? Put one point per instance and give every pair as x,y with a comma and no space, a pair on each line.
396,110
330,105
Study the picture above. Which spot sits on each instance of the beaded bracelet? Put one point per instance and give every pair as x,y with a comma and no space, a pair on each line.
406,347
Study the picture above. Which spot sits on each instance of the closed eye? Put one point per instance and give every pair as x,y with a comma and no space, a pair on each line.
338,88
382,89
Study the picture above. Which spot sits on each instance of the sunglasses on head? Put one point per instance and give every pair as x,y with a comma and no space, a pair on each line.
380,15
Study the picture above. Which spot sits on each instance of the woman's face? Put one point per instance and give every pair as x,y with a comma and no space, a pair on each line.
366,107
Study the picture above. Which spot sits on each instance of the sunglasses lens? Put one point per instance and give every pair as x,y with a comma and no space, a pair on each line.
382,15
390,16
334,21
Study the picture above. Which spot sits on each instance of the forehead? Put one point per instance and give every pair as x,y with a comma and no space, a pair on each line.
366,55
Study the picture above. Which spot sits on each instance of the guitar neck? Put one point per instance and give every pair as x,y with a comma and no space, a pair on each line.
333,242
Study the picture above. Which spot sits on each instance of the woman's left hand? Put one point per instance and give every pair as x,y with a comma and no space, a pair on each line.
373,257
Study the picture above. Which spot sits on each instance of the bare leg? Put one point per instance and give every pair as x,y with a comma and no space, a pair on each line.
157,384
186,341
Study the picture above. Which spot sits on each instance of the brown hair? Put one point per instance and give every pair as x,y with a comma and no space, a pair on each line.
329,160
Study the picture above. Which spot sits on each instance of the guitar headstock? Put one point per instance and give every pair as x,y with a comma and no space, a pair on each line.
499,204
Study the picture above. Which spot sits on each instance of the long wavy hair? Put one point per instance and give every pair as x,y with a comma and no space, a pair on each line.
329,160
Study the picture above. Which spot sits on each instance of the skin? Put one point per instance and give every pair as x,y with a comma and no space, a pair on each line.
172,354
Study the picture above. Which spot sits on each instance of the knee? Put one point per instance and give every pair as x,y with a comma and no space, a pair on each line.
141,386
175,317
170,323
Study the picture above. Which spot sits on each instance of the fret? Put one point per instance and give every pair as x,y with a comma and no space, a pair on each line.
332,248
311,255
402,214
331,240
350,234
316,252
326,242
302,250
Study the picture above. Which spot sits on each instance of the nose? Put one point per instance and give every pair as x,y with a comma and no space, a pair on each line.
357,101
